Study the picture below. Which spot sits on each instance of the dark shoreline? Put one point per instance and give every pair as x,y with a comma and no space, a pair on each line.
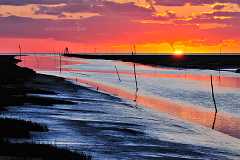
185,61
20,86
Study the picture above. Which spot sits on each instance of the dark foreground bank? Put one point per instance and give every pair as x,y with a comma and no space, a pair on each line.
20,86
185,61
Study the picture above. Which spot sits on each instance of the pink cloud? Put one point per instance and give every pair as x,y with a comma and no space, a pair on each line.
118,23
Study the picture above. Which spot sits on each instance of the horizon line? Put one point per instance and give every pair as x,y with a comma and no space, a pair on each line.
121,53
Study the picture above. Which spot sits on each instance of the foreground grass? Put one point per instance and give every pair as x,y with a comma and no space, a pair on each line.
13,128
39,151
14,91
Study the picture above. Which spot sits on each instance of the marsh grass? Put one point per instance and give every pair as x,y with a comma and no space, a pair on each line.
15,128
39,151
14,92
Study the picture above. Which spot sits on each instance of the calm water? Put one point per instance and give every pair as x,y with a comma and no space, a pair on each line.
171,118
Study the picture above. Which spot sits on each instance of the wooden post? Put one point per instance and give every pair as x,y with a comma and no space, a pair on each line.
213,97
135,74
214,120
136,82
60,62
117,73
215,105
20,51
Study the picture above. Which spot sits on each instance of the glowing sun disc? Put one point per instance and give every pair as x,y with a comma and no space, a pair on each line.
178,52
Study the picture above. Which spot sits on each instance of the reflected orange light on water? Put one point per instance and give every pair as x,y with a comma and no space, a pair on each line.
224,123
223,81
46,63
52,63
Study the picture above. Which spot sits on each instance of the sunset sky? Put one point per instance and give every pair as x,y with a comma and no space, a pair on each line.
111,26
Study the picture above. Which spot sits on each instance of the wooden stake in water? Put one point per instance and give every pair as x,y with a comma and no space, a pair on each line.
214,101
135,75
20,51
214,120
117,73
60,62
136,82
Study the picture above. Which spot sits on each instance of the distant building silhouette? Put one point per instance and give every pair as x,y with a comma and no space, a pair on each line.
66,51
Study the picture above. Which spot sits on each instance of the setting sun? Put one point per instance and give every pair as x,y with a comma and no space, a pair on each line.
178,52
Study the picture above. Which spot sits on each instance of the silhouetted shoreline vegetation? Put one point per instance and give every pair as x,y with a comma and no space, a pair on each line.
38,151
20,86
15,128
16,86
178,61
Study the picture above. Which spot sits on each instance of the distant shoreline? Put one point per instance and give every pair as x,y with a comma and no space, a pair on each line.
120,53
184,61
